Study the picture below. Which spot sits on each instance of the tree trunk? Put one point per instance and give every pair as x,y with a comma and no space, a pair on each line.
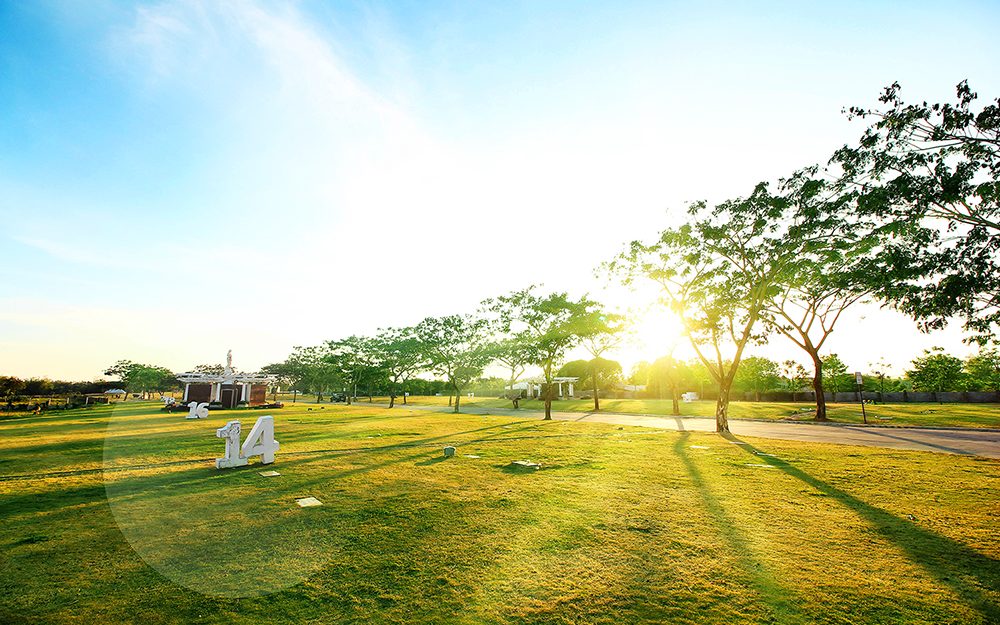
818,388
597,402
548,401
450,398
722,407
458,400
392,399
676,404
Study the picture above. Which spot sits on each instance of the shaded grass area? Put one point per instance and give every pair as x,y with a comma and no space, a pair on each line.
121,517
912,414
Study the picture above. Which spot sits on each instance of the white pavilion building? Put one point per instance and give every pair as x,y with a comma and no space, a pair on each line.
532,388
228,388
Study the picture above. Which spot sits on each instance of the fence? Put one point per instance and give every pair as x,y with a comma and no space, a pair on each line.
969,397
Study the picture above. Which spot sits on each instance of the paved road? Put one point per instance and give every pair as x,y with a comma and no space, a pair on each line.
967,442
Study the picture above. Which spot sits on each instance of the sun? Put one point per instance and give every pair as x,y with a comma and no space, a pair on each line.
653,332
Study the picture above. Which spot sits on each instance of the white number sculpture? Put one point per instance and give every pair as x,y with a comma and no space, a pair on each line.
198,411
230,432
260,442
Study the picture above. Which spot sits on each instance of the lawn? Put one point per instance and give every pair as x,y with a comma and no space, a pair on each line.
118,514
914,414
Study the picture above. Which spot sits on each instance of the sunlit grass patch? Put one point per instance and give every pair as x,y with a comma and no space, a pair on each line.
620,524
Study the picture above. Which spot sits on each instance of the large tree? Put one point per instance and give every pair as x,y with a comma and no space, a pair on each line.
927,174
602,333
144,379
516,353
835,374
10,387
669,374
937,371
718,273
398,353
829,271
758,375
457,347
983,371
553,323
353,360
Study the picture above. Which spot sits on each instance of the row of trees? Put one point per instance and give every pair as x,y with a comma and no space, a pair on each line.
144,379
935,370
517,331
11,387
909,215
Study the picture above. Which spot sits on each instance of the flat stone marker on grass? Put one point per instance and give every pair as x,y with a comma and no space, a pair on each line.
474,457
269,474
449,451
525,464
699,446
762,466
308,502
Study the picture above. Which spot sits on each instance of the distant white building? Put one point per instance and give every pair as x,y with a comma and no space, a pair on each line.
227,388
532,388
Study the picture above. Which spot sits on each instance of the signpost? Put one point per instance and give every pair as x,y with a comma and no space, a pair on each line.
861,394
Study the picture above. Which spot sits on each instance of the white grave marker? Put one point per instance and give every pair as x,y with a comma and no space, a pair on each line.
260,442
198,411
230,432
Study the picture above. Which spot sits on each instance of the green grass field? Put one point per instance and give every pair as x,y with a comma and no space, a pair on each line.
914,414
121,516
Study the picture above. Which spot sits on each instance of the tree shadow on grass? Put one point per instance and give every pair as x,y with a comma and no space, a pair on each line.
951,450
962,569
780,600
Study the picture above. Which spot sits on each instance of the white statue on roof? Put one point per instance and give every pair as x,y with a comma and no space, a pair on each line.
227,374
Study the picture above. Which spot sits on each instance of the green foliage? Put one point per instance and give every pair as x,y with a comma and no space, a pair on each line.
398,354
983,371
794,376
515,352
551,324
928,175
352,361
719,272
645,526
10,386
457,347
758,375
836,377
937,371
137,377
608,372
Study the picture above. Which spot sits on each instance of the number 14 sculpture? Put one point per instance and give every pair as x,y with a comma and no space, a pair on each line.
260,442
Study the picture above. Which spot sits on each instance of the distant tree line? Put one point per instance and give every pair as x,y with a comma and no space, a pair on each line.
934,371
523,329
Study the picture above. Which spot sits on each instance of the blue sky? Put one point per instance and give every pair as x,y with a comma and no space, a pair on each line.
178,178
